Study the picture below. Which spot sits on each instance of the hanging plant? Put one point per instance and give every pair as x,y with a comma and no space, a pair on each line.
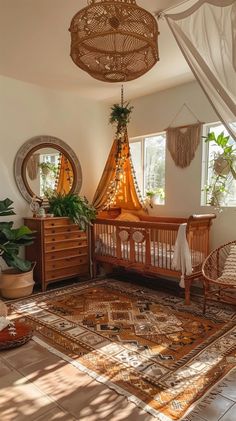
120,115
47,168
222,165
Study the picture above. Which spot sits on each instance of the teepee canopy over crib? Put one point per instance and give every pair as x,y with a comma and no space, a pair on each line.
118,186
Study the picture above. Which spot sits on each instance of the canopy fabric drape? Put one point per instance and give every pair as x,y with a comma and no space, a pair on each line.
125,196
206,35
65,177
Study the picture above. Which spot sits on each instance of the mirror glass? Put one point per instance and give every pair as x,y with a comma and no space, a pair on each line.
45,165
48,170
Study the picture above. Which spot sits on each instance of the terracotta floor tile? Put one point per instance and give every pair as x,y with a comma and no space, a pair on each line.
57,380
4,368
83,403
229,390
9,379
22,400
25,355
55,414
216,408
230,415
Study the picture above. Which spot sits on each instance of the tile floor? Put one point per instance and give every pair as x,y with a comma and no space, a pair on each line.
36,385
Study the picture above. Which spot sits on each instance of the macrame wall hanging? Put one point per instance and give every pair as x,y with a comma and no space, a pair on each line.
182,141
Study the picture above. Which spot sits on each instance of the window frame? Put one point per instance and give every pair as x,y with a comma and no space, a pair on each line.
205,163
142,139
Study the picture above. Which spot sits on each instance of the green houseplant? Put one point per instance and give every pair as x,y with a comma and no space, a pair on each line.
222,166
155,197
16,281
75,207
47,167
120,115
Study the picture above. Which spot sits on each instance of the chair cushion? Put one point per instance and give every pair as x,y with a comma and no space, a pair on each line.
228,276
15,334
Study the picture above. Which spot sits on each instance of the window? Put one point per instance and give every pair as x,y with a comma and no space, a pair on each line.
226,185
148,156
48,172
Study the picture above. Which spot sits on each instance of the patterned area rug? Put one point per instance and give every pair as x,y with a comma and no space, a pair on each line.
146,345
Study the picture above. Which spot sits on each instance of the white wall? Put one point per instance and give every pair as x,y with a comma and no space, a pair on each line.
28,110
154,113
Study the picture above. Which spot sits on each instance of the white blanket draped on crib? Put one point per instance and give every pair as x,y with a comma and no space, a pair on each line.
182,256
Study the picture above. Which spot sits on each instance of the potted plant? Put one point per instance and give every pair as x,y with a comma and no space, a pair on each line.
155,197
17,281
75,207
47,168
222,166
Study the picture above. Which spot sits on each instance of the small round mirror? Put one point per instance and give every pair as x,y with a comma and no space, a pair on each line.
45,165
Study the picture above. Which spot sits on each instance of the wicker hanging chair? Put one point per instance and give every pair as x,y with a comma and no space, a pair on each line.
219,273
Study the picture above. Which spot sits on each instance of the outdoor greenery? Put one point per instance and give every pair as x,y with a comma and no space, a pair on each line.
155,165
75,207
11,240
222,169
48,177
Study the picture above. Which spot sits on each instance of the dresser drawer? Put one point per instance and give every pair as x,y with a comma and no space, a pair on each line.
62,236
66,244
66,262
64,228
57,222
65,272
77,251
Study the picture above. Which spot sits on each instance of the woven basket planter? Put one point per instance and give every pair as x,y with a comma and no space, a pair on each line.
14,284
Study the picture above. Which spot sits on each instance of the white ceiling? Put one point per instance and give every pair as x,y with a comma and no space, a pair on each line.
35,47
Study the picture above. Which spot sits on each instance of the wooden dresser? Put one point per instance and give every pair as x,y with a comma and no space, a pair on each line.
60,250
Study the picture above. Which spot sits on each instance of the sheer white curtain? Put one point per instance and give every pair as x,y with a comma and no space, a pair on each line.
206,35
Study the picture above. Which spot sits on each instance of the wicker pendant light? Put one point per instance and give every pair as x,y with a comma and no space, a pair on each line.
114,41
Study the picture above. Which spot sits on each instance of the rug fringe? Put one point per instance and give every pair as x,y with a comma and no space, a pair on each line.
194,411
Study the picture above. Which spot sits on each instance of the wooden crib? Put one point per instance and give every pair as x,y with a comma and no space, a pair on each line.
147,246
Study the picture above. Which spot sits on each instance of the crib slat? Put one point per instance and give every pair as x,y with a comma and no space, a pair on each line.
118,245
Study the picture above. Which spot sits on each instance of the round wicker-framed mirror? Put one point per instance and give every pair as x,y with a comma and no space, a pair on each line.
46,164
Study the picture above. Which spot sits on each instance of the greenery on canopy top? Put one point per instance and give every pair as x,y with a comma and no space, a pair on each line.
120,114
